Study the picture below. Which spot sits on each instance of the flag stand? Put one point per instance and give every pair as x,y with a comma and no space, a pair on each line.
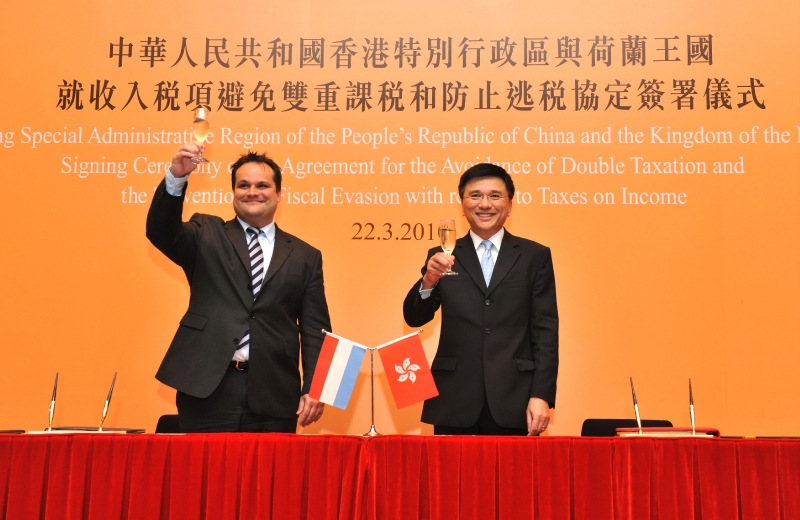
372,431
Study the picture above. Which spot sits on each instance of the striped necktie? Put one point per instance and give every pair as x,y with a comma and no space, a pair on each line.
256,276
487,262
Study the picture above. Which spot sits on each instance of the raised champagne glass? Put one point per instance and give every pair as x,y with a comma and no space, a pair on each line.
447,235
200,128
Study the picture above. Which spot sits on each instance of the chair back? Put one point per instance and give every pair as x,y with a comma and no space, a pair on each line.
608,427
168,424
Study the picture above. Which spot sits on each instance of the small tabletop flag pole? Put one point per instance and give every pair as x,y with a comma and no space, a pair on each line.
52,406
691,406
108,401
372,431
636,408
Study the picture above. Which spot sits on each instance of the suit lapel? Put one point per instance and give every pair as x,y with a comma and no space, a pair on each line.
506,258
467,261
236,235
280,252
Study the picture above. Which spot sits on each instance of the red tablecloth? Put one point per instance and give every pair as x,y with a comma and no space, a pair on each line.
140,477
214,477
583,478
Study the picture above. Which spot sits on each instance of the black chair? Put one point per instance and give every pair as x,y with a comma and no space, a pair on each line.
168,424
608,427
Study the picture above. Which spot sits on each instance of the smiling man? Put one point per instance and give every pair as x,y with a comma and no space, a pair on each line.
497,360
257,300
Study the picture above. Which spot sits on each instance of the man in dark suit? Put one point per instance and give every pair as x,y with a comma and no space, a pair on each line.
497,360
257,299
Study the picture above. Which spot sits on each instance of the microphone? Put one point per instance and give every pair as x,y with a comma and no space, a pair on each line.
636,408
108,401
52,405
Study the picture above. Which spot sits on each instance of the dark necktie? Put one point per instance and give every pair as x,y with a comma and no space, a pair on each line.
257,274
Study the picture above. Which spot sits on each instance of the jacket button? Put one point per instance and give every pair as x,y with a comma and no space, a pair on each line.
486,302
252,316
488,330
235,341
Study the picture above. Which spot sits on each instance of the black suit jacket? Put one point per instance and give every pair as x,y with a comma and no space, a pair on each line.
290,310
500,341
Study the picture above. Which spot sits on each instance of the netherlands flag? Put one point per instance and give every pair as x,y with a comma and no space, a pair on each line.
337,369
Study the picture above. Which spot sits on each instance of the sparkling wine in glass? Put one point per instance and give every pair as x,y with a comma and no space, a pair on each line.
447,235
200,128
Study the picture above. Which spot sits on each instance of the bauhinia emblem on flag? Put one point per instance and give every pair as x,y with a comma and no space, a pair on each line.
407,370
337,370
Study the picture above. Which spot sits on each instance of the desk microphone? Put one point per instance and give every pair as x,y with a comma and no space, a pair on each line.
52,405
636,408
108,400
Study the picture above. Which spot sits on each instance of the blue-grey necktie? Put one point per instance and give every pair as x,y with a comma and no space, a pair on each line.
487,262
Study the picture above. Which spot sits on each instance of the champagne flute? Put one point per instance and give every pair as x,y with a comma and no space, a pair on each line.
200,128
447,235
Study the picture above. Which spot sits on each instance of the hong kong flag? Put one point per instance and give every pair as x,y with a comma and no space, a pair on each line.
407,369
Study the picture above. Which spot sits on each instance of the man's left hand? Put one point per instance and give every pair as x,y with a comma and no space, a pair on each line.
310,410
538,414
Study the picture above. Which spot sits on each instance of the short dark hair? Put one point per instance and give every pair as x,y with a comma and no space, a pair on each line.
485,170
256,158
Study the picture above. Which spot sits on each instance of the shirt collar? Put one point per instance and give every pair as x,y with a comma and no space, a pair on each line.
495,239
268,230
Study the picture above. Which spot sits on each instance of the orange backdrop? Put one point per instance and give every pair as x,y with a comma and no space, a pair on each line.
701,281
